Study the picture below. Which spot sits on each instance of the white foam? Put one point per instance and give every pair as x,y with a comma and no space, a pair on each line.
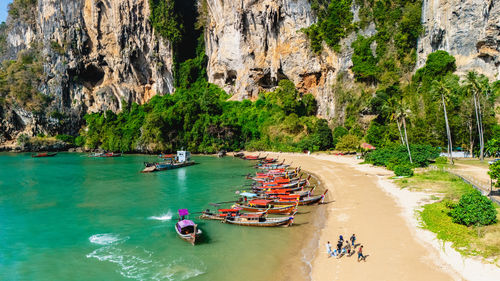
140,264
106,238
164,217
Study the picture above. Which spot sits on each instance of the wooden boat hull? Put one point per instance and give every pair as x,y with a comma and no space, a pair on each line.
269,222
264,189
302,202
273,210
162,167
212,217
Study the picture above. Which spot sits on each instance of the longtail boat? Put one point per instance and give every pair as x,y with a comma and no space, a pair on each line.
263,205
183,159
292,198
221,214
187,229
253,157
259,219
44,154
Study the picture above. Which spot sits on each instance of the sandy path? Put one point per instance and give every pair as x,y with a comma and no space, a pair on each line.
359,206
480,173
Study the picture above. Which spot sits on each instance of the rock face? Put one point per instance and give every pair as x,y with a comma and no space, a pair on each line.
96,54
467,29
252,45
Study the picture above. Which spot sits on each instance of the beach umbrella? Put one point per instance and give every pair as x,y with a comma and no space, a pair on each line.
367,146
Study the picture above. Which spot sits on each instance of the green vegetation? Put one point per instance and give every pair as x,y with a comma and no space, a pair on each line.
348,143
392,156
66,138
442,160
473,240
3,38
23,10
403,170
199,118
364,62
165,21
494,172
19,80
474,209
334,23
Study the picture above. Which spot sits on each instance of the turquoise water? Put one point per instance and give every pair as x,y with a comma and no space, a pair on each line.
72,217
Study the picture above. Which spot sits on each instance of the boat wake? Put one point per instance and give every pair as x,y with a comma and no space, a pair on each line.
106,238
164,217
135,262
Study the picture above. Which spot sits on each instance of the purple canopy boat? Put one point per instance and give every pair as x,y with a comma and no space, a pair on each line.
187,229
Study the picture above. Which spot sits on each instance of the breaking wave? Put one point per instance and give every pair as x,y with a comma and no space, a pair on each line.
164,217
135,262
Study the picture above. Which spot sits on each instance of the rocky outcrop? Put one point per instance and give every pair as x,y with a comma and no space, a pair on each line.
252,45
467,29
96,54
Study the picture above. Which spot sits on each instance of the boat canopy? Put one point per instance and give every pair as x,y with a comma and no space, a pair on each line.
183,212
248,194
186,223
260,202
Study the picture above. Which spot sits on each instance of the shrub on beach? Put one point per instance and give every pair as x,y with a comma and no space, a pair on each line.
392,156
442,160
403,170
348,143
474,209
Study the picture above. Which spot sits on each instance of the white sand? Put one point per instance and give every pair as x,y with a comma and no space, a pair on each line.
384,218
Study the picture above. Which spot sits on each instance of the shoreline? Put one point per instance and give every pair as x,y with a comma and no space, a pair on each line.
434,257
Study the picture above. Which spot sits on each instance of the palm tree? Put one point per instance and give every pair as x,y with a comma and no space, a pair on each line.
477,87
439,87
392,106
403,112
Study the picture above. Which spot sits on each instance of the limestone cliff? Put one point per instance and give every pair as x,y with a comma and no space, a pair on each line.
252,45
96,54
467,29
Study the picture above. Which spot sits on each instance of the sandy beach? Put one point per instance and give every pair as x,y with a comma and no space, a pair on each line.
362,200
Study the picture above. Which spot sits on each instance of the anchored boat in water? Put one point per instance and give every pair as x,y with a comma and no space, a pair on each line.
187,229
182,159
44,154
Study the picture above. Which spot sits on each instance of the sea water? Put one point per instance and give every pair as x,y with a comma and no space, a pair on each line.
72,217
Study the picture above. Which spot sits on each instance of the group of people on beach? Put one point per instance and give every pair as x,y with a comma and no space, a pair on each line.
345,248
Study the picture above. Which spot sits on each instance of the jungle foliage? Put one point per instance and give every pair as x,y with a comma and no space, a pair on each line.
334,23
19,80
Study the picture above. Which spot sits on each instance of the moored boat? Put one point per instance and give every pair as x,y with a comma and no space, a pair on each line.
183,159
292,198
105,154
221,214
44,154
263,205
186,229
259,220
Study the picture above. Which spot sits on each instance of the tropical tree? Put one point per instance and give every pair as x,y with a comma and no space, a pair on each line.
477,87
401,112
440,87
